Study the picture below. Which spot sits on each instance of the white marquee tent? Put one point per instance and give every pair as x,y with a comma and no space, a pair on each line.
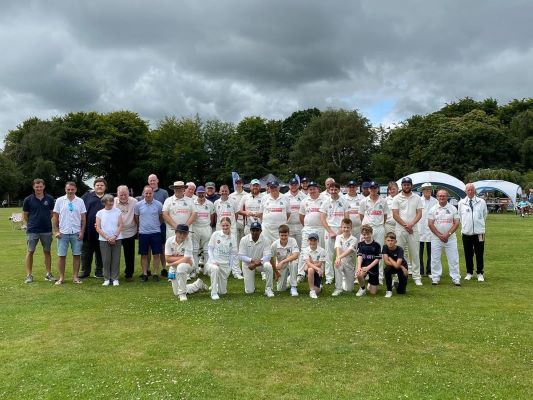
510,189
437,179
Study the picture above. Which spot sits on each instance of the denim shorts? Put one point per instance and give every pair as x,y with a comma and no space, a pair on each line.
65,240
34,238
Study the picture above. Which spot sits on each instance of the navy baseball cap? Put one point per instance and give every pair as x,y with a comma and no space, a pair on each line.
200,189
304,179
351,183
373,185
407,180
293,181
182,228
365,185
312,183
273,184
255,226
313,236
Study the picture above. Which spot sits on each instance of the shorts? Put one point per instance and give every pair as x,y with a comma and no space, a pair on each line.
66,239
149,240
373,275
33,239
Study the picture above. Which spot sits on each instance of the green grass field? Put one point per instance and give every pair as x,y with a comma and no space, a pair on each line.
138,341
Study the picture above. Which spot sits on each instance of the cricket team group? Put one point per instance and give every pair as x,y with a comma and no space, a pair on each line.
354,239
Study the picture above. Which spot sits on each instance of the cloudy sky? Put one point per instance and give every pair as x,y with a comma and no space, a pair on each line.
229,58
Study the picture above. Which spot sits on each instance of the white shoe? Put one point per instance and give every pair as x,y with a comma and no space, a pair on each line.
430,276
418,282
388,294
480,278
361,292
201,285
269,292
336,292
214,297
468,277
329,281
106,283
183,297
312,294
294,292
115,282
238,276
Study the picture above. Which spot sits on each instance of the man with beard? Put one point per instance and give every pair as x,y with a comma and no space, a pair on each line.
251,205
407,211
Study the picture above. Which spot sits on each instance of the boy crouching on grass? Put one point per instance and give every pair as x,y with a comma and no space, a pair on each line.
394,264
285,253
345,263
368,257
314,258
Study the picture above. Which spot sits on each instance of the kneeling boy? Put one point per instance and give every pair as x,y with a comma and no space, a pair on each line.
368,257
285,254
394,264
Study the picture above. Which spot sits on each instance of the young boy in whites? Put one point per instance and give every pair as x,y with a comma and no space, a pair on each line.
222,255
285,253
69,220
395,264
407,211
109,227
333,211
368,257
314,258
345,261
428,201
254,252
443,220
178,254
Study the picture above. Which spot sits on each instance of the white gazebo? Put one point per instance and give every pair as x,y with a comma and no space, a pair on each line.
437,179
510,189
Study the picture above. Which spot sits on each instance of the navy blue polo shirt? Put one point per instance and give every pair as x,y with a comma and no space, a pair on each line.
39,212
93,204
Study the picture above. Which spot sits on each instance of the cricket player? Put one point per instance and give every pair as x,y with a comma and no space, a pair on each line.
285,253
178,209
353,200
332,212
251,204
295,197
276,212
201,228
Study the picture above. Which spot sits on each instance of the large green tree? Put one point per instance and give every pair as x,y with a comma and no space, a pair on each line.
337,143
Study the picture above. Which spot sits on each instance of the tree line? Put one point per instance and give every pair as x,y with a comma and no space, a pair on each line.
466,138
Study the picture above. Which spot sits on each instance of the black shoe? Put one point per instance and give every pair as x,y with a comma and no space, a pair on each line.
155,278
164,272
144,278
149,273
83,276
98,276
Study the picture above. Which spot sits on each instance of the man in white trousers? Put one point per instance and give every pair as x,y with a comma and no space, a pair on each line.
373,211
332,212
310,219
443,221
178,254
254,252
407,211
201,228
250,206
353,200
295,197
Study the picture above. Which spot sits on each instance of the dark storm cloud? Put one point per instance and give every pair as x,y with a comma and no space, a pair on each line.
229,59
